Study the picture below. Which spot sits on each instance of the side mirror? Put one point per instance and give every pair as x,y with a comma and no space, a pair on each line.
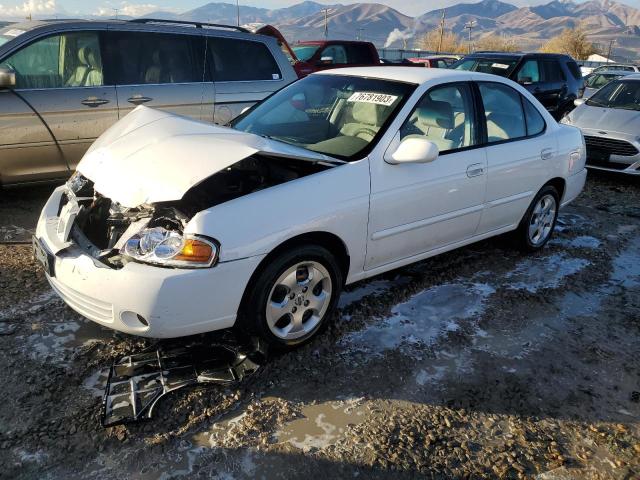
413,150
578,101
326,60
7,77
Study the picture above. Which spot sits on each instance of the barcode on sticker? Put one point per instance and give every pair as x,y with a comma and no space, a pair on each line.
371,97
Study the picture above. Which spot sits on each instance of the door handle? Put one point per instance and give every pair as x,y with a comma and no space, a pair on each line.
94,102
139,99
475,170
546,153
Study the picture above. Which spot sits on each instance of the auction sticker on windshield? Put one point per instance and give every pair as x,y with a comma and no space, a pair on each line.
500,65
371,97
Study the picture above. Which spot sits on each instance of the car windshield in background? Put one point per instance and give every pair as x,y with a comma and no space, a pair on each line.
600,80
495,66
623,94
337,115
3,40
304,53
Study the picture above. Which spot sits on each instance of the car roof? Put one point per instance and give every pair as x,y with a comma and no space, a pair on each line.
411,74
514,55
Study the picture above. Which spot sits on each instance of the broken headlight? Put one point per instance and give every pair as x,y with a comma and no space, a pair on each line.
79,185
160,246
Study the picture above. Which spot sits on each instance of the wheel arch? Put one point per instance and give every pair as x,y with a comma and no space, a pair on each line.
559,184
330,241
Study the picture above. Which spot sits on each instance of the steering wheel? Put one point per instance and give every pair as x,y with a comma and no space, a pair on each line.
368,131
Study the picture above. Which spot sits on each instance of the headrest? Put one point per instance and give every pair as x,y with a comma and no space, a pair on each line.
433,113
82,55
366,113
92,60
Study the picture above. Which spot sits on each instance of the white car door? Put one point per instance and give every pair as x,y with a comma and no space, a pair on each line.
420,207
518,153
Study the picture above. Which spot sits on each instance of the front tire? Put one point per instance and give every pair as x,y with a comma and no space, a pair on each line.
537,225
292,299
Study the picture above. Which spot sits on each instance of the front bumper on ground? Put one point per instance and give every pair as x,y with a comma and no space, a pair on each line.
173,302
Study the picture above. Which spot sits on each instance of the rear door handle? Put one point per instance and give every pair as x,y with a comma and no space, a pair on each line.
139,99
94,102
546,153
475,170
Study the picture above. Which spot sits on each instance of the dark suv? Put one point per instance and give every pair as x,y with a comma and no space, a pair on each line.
554,79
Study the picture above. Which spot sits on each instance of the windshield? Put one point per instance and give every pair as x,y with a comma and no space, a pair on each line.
496,66
3,40
304,53
618,94
338,115
600,79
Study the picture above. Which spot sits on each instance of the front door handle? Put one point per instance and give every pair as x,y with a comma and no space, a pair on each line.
94,102
546,153
139,99
475,170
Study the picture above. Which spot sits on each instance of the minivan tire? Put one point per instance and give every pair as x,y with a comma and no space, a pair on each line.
274,291
536,216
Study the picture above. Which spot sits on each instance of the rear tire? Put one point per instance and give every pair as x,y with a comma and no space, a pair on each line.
293,298
538,223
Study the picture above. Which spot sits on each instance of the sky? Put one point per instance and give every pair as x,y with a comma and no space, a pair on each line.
21,8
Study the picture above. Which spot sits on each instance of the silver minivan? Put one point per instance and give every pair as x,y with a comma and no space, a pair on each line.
63,83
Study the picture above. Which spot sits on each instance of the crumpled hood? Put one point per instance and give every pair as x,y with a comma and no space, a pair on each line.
153,156
606,119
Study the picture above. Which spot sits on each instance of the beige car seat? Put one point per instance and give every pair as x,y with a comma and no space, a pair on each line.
94,76
435,120
365,122
79,75
154,71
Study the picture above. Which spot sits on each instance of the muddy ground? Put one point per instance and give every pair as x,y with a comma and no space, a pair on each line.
481,363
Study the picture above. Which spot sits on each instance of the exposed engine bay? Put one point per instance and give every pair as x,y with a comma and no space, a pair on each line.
102,226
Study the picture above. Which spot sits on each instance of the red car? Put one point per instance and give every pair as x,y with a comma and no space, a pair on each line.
434,62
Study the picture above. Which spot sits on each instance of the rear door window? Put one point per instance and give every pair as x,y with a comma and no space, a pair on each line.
60,61
552,71
336,52
141,58
235,60
358,54
574,69
503,112
529,72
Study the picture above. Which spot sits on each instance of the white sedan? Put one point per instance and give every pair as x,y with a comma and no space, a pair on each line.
173,227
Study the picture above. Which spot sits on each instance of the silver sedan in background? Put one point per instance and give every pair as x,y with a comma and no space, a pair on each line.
597,80
610,123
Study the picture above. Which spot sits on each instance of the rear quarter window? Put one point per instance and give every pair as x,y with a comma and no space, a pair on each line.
575,70
241,60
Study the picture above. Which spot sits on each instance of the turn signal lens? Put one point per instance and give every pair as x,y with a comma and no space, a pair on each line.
195,251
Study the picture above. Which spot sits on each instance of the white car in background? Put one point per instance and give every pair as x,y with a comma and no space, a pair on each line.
173,227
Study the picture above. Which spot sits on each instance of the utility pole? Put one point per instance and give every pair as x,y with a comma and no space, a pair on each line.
611,42
359,35
238,10
116,10
441,31
470,26
326,23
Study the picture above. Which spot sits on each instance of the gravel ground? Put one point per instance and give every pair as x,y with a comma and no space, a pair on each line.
481,363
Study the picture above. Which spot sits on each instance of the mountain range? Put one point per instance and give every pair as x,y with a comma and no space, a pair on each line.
604,20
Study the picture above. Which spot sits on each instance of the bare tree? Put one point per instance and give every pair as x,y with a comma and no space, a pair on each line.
497,43
441,41
572,41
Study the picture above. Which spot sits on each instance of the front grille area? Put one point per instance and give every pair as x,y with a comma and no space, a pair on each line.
597,146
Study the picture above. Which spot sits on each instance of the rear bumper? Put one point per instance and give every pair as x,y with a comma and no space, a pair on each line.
173,302
573,187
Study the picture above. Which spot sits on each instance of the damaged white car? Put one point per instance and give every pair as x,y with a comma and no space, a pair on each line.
173,227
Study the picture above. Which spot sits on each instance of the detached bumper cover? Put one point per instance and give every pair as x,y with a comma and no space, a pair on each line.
174,302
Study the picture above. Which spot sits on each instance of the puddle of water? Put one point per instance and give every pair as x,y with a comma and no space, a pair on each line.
53,340
96,383
31,306
583,241
423,318
323,424
626,266
535,273
568,221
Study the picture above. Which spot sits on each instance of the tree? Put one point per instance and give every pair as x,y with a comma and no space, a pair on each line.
497,43
571,41
451,43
